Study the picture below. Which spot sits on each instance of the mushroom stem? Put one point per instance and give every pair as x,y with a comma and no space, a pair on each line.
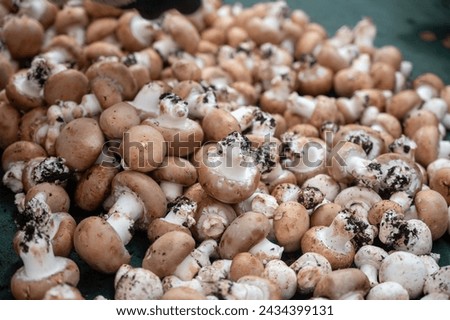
196,260
12,179
124,213
371,272
266,250
444,149
39,260
402,198
244,116
337,234
182,212
212,223
300,105
361,171
142,29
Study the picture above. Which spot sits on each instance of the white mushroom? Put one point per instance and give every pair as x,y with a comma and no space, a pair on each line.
388,290
283,276
136,284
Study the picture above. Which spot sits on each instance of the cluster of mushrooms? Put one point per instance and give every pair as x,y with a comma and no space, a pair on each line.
263,158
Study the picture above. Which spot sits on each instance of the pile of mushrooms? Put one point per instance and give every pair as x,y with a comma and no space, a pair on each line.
262,157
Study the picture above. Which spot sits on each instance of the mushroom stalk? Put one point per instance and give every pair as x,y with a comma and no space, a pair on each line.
266,250
301,106
244,116
124,213
172,190
39,260
12,179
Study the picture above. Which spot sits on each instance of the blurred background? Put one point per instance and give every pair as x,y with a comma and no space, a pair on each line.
420,29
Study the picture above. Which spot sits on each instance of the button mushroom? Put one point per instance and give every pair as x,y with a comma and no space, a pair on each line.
137,199
310,267
136,284
230,174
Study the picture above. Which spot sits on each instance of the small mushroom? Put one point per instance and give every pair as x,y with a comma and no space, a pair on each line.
310,267
243,264
438,282
118,119
368,259
340,283
10,119
334,241
136,284
405,268
80,143
167,252
42,269
290,222
283,276
63,291
248,288
230,174
247,233
388,290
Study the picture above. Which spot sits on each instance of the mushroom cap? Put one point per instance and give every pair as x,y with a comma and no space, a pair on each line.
367,138
117,73
63,291
427,140
177,170
10,120
438,282
349,80
440,182
383,76
118,119
324,214
314,81
417,119
21,151
283,276
341,258
159,227
143,148
99,245
376,212
94,51
402,103
69,16
406,269
167,252
35,289
388,290
243,264
137,284
70,47
371,255
224,189
80,143
94,186
269,288
100,28
57,197
243,233
290,222
218,123
181,142
310,267
432,209
67,85
23,36
182,293
182,31
338,283
338,169
390,55
124,32
145,188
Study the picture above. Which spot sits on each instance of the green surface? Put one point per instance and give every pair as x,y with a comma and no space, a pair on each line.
398,23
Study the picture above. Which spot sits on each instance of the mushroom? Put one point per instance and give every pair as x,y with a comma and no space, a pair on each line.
67,85
230,174
216,271
182,31
315,111
368,259
324,214
405,268
182,134
14,159
440,183
388,290
405,235
247,233
243,264
180,217
23,36
429,142
42,269
430,207
143,148
334,241
341,283
290,222
310,267
61,224
167,253
325,184
355,77
283,276
212,218
72,21
134,32
438,282
285,192
136,284
402,103
10,119
136,199
111,82
173,175
80,143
